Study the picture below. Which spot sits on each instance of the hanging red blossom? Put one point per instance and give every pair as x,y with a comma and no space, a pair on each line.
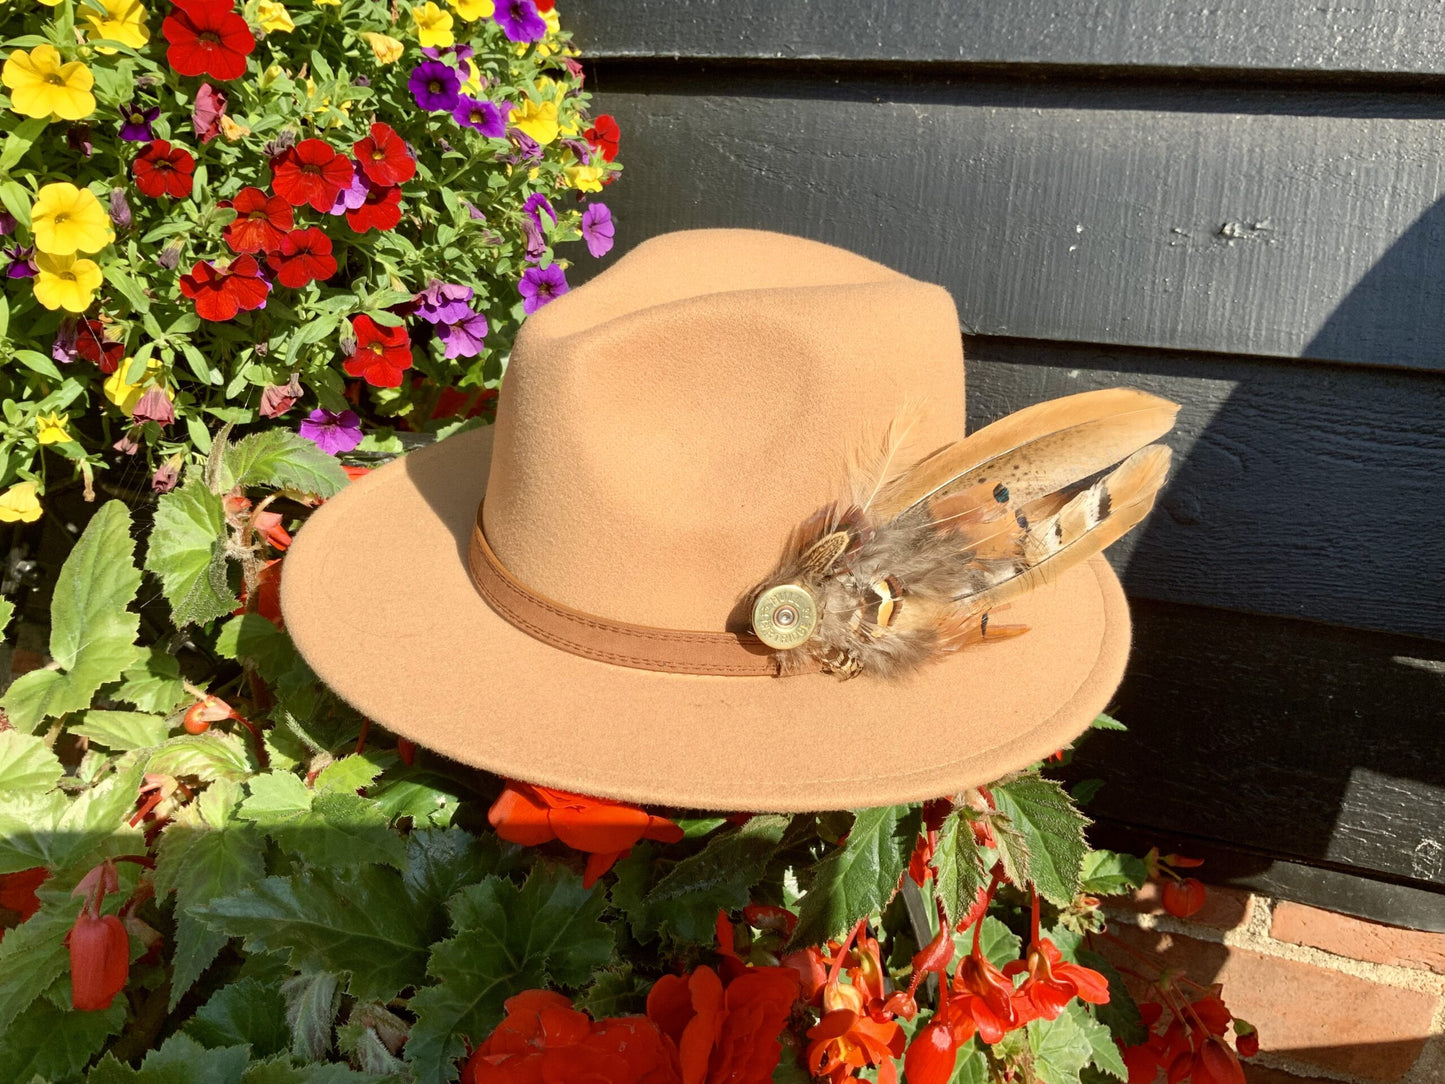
310,173
1053,982
221,291
207,38
604,829
382,354
99,961
303,256
17,891
381,211
260,223
725,1034
93,345
383,156
604,135
164,170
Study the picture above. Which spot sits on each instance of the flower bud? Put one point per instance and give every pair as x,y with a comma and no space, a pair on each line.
1183,898
7,223
166,477
154,406
119,209
99,960
277,399
170,256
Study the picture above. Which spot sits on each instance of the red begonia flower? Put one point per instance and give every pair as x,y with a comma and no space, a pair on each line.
381,211
725,1034
1053,982
99,960
93,345
164,170
260,223
1215,1063
931,1056
1183,898
304,256
268,594
17,891
603,829
220,292
382,353
207,38
983,999
383,156
604,135
310,173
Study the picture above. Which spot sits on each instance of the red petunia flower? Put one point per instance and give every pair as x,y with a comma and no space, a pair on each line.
381,211
93,345
310,172
304,256
603,829
207,38
383,156
382,353
260,223
164,170
220,291
604,135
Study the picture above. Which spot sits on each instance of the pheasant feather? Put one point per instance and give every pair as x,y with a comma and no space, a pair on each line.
910,567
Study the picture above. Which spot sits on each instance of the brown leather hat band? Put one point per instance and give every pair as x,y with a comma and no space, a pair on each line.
641,647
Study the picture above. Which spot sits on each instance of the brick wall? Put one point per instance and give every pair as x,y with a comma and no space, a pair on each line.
1335,999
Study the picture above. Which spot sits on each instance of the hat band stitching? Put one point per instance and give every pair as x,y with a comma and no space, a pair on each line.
619,643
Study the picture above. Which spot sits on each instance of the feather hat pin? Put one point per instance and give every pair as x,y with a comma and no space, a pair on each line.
908,568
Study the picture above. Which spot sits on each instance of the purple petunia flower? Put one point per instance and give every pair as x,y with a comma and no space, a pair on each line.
579,149
435,86
519,20
64,349
489,118
443,303
441,52
540,285
463,339
19,266
333,433
154,406
165,478
535,205
353,195
136,121
527,147
597,229
536,250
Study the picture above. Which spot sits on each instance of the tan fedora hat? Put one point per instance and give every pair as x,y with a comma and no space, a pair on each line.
661,432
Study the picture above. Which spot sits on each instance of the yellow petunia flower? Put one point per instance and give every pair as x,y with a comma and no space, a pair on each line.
126,395
385,48
327,3
231,131
538,120
51,428
273,18
433,25
472,10
64,282
473,82
119,20
18,504
67,220
41,86
585,178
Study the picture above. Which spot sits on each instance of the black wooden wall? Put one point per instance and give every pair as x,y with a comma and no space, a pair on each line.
1236,205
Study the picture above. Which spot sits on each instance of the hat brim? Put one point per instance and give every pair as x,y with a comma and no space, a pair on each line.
377,596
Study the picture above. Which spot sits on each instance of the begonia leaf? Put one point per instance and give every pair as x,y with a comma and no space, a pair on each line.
245,1012
27,764
33,955
958,867
1039,809
51,1043
153,683
179,1060
121,731
92,633
281,459
1060,1048
188,553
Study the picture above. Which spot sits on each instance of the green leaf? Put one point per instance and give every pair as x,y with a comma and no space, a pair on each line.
280,1070
508,939
33,955
7,611
1120,1014
1107,722
1039,809
180,1060
91,632
252,637
284,460
209,756
997,942
246,1012
1109,873
26,764
971,1066
361,922
332,829
51,830
1060,1048
615,991
686,901
859,877
122,730
188,553
53,1044
22,136
1105,1055
154,683
204,855
440,862
958,866
312,1002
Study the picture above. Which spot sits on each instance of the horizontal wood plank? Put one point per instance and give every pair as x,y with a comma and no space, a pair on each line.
1303,491
1294,225
1290,738
1372,36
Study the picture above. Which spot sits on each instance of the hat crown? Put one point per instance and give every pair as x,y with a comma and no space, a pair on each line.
663,428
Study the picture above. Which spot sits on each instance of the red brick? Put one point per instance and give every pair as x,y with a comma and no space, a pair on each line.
1309,1015
1224,908
1358,938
